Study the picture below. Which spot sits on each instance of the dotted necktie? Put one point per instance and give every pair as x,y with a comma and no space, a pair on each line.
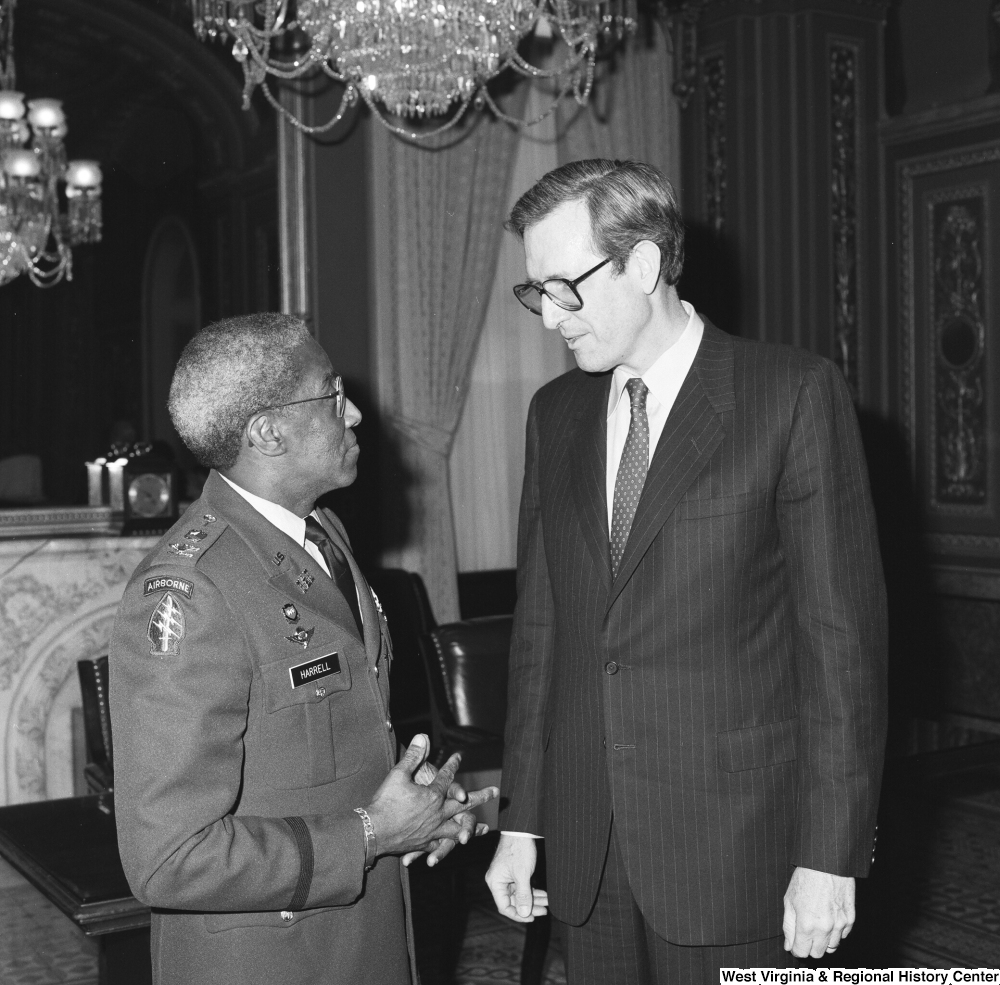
340,570
631,472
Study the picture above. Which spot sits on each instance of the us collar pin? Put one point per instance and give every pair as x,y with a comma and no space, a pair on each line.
290,612
278,558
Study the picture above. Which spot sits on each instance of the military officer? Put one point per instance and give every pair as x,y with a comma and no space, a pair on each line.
260,809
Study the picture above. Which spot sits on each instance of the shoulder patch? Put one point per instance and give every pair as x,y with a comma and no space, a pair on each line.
166,627
167,584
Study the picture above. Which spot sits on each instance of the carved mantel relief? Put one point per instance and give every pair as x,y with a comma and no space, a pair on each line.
57,604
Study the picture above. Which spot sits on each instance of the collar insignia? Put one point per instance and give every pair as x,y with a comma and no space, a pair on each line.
184,549
304,581
290,612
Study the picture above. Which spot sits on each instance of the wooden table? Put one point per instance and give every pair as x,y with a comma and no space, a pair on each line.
68,849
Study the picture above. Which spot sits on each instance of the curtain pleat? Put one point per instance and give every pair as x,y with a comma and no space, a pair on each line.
439,219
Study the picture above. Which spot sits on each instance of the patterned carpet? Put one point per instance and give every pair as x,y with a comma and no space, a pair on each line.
38,945
946,870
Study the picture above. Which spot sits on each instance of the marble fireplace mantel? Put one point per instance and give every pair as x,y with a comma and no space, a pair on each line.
57,604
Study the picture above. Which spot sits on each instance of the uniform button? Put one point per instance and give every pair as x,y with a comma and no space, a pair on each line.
388,724
286,915
604,742
611,667
320,692
376,671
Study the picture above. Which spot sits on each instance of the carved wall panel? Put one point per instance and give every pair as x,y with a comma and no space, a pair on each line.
948,224
844,206
713,72
57,604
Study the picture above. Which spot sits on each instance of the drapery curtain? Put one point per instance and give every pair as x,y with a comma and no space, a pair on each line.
632,112
439,215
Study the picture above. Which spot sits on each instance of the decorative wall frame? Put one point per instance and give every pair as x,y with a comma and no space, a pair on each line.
949,296
845,142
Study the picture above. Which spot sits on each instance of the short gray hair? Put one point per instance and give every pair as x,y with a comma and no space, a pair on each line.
628,202
227,373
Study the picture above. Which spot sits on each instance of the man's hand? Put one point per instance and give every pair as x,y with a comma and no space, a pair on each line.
410,816
509,879
819,912
442,846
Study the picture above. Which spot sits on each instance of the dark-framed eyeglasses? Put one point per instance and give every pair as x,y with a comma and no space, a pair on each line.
558,290
338,395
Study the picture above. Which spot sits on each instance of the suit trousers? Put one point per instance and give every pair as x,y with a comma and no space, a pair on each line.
617,945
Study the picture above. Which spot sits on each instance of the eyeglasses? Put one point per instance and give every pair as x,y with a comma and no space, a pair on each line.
338,395
558,290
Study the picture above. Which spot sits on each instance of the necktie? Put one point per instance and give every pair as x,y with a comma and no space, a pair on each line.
340,570
631,472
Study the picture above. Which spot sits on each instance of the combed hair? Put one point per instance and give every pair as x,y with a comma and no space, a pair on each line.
627,201
228,372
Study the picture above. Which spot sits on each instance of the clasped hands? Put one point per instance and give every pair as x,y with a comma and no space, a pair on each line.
419,809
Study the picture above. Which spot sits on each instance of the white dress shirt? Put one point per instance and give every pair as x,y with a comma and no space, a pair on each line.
664,379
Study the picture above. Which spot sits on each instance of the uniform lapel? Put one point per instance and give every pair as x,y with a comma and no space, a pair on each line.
694,429
292,570
589,452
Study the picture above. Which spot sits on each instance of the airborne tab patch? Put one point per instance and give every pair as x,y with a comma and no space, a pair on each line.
313,670
153,585
166,627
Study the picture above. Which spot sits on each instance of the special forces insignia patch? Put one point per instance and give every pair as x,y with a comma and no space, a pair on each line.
166,626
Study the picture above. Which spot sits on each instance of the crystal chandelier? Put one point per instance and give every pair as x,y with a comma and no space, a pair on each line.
35,234
412,58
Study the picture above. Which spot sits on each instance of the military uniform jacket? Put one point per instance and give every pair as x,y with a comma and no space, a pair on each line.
723,695
249,720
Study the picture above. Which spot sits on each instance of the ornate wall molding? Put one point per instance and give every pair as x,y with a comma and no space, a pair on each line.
57,604
958,462
844,141
909,277
713,73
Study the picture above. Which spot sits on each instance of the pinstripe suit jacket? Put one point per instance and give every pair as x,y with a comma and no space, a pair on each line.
723,696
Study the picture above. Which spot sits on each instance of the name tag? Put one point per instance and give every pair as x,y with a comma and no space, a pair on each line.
313,670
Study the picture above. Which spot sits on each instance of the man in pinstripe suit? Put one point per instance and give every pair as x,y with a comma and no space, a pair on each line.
697,680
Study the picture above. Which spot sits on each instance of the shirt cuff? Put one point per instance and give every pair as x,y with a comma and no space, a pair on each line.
520,834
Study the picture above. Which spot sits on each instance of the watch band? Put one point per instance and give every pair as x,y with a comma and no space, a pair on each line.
369,837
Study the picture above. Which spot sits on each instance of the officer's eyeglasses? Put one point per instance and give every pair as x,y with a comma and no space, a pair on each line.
338,394
558,290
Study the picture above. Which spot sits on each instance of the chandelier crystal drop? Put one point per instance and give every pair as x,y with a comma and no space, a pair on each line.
415,59
35,232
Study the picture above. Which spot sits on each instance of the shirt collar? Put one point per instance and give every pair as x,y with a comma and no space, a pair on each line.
285,520
663,372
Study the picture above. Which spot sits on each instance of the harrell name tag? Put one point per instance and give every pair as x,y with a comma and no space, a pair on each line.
313,670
